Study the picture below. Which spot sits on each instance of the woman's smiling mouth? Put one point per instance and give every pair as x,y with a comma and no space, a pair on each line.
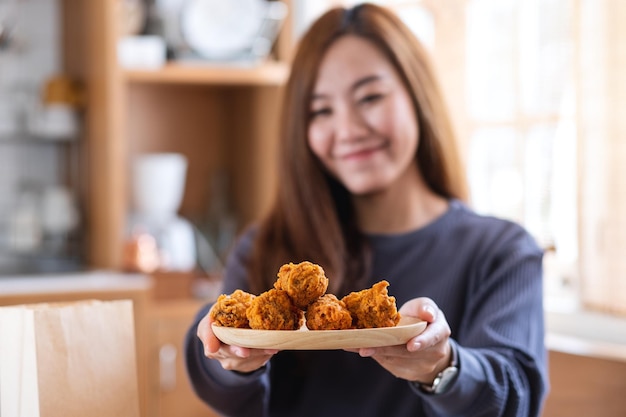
361,153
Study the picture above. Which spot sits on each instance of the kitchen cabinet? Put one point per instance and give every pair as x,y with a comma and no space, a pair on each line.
160,327
586,385
168,384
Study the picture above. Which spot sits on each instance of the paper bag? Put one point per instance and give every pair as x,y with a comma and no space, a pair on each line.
68,360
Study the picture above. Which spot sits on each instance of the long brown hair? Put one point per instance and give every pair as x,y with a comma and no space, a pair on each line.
312,217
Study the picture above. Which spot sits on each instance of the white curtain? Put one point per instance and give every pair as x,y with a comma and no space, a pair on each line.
587,222
602,126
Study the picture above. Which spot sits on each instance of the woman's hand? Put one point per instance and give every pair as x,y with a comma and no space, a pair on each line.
233,358
425,355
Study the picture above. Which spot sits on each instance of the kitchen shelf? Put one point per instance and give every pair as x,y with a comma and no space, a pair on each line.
270,73
223,117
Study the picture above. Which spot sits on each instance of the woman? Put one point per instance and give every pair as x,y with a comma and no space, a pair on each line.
371,189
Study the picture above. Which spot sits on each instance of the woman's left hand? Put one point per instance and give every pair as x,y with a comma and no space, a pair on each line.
423,356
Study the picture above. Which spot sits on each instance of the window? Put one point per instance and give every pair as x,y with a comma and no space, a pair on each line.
522,140
537,95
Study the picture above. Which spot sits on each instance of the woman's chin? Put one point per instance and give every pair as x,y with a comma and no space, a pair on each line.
367,189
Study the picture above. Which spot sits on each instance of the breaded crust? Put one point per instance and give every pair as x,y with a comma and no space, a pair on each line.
304,282
274,310
372,307
230,309
328,313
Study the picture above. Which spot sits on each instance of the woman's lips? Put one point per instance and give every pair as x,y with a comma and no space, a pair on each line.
360,154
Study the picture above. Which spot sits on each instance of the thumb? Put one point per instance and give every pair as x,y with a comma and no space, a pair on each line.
205,333
422,308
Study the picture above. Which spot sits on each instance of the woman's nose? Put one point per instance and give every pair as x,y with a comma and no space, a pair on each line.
349,125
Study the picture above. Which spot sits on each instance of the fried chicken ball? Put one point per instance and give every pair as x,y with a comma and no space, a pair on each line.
304,282
274,310
328,313
230,310
372,307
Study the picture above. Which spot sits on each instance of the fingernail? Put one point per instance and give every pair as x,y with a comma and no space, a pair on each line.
416,346
271,351
430,310
237,352
367,352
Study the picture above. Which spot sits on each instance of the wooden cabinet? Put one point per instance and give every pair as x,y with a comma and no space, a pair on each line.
160,327
583,385
169,389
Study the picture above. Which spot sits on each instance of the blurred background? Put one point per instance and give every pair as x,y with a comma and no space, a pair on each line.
534,87
97,97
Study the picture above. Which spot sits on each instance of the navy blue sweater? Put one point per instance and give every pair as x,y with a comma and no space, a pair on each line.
485,274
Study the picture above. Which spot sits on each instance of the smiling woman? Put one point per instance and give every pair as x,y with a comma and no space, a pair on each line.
371,188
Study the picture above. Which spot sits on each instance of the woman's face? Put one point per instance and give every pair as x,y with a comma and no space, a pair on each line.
362,122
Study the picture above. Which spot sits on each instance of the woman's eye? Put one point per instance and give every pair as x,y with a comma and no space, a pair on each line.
370,98
324,111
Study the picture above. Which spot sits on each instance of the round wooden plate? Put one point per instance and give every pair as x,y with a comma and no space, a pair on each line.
305,339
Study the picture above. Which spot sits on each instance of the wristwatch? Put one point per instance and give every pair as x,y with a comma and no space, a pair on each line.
444,379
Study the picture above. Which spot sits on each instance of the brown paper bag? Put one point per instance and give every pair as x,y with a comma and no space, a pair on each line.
68,360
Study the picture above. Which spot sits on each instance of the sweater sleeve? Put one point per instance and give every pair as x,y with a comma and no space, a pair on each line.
500,345
228,392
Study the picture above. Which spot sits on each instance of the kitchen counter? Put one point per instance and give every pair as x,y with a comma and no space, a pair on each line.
587,333
579,332
91,285
75,282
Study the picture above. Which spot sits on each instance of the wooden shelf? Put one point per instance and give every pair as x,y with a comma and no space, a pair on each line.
269,73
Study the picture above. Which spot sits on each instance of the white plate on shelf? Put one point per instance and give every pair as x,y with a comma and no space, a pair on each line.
305,339
222,29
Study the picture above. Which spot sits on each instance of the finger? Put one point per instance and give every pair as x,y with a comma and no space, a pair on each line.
435,333
239,351
205,334
428,312
399,351
423,308
243,352
367,352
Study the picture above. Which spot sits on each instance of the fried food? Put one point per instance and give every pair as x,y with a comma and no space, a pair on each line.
274,310
328,313
372,307
230,310
304,282
300,291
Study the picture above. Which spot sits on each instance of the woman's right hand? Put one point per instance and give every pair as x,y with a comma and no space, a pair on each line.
232,358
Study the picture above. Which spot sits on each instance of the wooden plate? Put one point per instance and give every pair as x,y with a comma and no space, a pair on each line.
305,339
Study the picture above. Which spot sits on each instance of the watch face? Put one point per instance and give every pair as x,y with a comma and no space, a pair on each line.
445,379
221,29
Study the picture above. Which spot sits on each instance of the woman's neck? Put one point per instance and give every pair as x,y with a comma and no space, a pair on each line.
406,205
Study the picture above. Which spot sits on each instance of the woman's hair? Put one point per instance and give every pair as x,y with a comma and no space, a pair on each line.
312,217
